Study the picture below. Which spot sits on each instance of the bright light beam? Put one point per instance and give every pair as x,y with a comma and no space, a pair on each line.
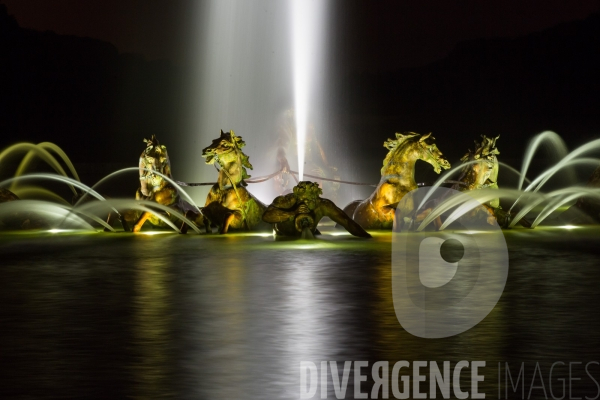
307,19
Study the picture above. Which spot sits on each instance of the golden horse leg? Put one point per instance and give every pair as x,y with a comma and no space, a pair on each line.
143,218
226,222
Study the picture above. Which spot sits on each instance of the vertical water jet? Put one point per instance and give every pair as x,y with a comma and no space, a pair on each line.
307,24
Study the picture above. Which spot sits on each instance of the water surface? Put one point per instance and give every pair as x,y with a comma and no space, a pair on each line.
231,317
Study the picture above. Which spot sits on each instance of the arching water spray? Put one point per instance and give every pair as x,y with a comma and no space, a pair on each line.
48,146
55,214
41,151
464,202
182,192
594,145
40,193
533,199
58,178
458,169
556,144
140,205
554,205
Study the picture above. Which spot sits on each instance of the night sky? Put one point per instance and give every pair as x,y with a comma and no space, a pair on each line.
368,35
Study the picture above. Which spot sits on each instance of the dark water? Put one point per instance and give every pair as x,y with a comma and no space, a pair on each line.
107,316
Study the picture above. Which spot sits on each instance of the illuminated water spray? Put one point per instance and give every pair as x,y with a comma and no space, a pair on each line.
307,24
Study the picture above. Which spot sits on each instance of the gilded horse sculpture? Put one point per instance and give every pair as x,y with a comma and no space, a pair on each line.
481,172
228,204
397,179
154,162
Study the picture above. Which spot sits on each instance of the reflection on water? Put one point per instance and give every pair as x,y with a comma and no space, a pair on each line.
151,321
231,317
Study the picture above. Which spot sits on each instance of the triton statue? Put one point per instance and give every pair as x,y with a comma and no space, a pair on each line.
397,179
298,213
228,204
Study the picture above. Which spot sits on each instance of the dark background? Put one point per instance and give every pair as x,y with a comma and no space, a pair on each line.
95,77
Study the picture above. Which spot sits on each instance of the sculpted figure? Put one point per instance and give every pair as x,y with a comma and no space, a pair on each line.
154,162
298,213
228,204
481,172
397,179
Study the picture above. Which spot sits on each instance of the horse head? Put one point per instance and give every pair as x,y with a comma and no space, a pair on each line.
483,163
155,154
225,149
410,147
154,148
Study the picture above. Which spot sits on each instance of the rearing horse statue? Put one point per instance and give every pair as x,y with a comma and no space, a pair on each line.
482,168
229,204
397,179
481,172
154,160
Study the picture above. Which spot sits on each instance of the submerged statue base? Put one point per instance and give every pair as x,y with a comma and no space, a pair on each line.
298,214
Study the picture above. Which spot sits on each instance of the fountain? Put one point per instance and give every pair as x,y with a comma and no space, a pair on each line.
17,215
241,310
526,200
231,206
282,47
59,214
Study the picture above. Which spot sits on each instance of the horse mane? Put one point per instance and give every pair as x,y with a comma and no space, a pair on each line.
236,143
485,148
244,158
393,144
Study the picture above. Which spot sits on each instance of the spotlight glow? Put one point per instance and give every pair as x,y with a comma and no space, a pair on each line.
152,233
337,233
263,234
569,227
307,22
